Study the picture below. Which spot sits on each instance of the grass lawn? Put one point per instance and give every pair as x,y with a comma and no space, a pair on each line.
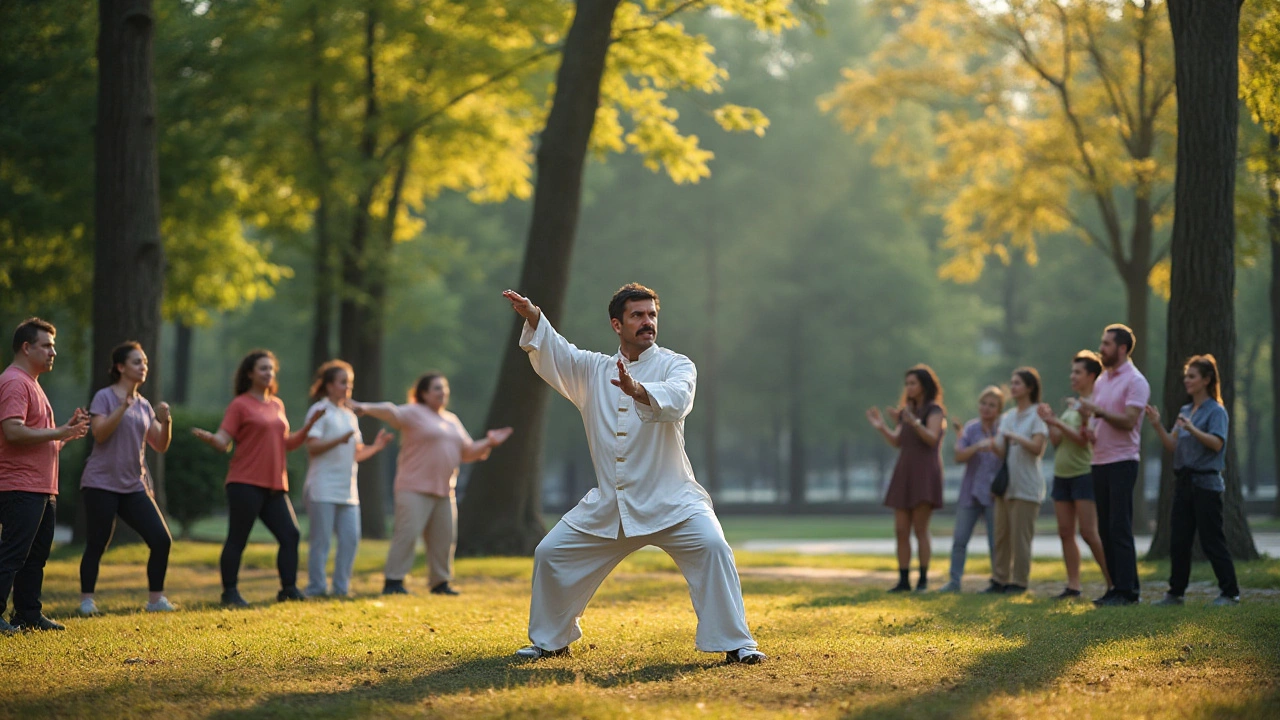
840,647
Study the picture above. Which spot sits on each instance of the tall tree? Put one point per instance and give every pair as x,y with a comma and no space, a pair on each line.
1202,271
129,264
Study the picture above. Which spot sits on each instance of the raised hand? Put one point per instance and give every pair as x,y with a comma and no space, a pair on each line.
311,421
875,418
1153,415
383,439
523,306
1183,422
77,427
895,414
626,382
498,436
1045,411
163,413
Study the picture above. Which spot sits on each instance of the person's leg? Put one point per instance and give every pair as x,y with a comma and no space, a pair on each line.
1182,536
28,582
20,517
1125,570
902,537
1087,518
706,560
277,514
244,502
139,511
347,522
1000,564
321,516
966,519
441,538
920,515
410,521
1208,506
1066,514
989,520
568,567
1102,499
100,508
1022,523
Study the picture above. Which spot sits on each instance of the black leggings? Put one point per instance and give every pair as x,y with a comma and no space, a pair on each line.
246,503
139,511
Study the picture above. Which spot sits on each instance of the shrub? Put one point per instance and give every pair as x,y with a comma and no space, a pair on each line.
194,472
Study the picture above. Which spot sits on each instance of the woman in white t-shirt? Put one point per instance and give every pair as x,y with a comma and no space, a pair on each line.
1023,438
335,447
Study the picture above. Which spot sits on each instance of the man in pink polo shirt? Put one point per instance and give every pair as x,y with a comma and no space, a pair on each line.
29,446
1119,397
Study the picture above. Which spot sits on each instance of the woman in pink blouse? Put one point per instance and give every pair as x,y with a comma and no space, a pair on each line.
433,444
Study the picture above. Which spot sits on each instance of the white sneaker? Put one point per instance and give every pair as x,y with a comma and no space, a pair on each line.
746,656
533,652
88,607
161,605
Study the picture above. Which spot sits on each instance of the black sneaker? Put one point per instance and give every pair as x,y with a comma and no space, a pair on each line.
1110,593
1014,590
40,622
901,587
1116,600
1067,594
394,587
232,599
994,588
443,589
290,593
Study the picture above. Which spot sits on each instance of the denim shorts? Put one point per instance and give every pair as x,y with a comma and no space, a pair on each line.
1075,488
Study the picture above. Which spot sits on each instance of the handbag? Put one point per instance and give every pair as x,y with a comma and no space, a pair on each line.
1000,484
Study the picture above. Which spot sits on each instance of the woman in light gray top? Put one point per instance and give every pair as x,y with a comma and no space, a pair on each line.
1023,439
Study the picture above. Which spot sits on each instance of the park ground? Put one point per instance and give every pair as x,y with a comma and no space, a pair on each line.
839,646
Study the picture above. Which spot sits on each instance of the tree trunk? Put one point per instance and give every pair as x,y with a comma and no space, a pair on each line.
1138,301
1252,415
1010,342
1273,225
1201,303
323,300
501,512
128,283
184,337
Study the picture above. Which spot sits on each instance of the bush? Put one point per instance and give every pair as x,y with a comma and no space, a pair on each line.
194,472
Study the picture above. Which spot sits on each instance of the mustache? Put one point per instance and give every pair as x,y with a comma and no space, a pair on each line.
650,328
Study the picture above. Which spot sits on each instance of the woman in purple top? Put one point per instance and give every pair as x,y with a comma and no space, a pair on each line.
116,481
975,448
915,490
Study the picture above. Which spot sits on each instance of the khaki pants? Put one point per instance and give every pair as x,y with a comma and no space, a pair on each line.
568,567
435,519
1015,527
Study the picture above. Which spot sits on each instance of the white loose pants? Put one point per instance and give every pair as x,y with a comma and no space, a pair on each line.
569,565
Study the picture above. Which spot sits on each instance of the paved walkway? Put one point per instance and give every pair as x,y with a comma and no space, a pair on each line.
1048,546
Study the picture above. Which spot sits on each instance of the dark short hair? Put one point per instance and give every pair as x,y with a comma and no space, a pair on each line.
29,331
421,387
120,355
1090,360
1031,378
326,374
627,293
1123,335
243,382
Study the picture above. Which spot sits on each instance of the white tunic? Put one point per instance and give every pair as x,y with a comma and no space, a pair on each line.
644,479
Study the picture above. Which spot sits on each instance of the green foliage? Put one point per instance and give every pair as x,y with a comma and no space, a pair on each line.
194,472
1260,63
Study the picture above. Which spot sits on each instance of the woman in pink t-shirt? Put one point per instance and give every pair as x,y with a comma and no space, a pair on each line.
257,483
433,444
116,481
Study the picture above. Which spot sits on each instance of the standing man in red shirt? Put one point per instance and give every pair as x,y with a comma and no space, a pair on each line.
29,446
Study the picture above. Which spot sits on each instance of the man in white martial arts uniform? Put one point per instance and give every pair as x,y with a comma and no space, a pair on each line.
633,405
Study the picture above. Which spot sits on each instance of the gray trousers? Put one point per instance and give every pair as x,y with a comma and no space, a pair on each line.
966,520
326,518
435,520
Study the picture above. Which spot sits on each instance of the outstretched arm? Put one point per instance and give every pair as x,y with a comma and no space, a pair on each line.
563,366
384,411
480,449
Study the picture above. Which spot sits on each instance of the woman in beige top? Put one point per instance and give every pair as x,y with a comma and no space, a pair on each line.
433,444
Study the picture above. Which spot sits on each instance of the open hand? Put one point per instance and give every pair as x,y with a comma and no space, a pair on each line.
316,417
523,306
894,413
383,438
875,418
1153,415
626,382
498,436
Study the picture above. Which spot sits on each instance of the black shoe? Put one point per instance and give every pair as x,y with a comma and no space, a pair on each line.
901,587
394,587
1014,590
746,656
39,623
1067,594
232,599
443,589
1116,600
1110,593
994,588
290,593
6,628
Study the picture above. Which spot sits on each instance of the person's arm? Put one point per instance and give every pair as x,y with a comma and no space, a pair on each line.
562,365
16,433
930,431
295,440
1052,422
1167,439
364,452
316,446
1208,439
1127,420
670,400
160,434
103,425
966,452
1034,444
221,440
384,411
877,422
475,450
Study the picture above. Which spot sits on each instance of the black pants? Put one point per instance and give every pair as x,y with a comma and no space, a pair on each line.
26,536
139,511
246,503
1196,509
1113,490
